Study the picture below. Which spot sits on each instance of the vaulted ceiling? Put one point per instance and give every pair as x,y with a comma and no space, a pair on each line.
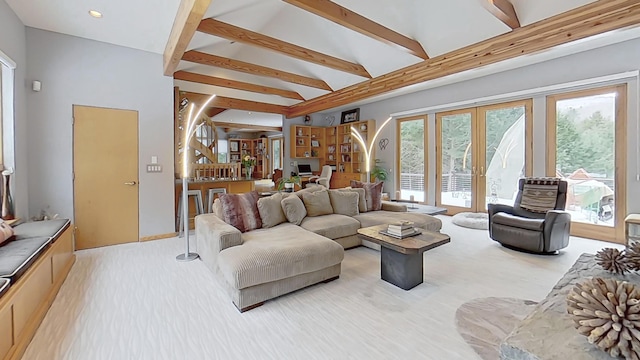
307,56
294,57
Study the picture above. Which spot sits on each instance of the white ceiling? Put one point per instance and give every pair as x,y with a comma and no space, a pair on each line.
440,27
138,24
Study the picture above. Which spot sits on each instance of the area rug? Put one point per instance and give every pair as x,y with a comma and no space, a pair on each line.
485,322
471,220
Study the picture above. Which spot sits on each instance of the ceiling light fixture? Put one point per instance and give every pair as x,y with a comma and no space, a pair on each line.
95,14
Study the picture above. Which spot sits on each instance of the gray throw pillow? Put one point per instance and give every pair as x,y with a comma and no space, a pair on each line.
362,200
344,203
293,209
271,210
317,203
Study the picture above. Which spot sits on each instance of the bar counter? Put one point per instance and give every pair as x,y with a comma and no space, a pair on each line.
232,186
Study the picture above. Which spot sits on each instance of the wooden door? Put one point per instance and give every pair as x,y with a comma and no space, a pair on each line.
105,163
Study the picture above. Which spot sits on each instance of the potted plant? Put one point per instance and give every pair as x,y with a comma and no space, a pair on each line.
379,173
288,184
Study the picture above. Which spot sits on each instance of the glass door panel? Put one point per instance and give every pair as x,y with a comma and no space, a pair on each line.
412,161
456,160
586,150
504,161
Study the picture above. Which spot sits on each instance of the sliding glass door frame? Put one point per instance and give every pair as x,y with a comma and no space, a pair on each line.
615,233
478,151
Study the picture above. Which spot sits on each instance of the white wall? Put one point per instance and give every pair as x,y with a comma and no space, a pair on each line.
14,44
84,72
603,61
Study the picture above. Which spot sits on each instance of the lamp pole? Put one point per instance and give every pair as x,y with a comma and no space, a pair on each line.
189,131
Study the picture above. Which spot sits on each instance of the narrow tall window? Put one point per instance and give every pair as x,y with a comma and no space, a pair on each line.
411,150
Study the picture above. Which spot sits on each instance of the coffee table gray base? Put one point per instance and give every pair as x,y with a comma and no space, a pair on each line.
402,270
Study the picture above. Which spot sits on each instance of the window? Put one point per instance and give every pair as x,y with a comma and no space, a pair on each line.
276,155
586,145
7,67
411,150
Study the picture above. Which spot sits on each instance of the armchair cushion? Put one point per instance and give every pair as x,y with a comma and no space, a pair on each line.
518,222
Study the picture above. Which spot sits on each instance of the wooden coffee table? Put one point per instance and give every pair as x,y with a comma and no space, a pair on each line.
401,259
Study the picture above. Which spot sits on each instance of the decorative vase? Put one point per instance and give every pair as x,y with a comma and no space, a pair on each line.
249,172
8,212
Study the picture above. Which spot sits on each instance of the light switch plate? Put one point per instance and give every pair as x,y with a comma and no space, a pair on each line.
154,168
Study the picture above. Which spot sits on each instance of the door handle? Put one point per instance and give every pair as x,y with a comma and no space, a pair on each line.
482,171
473,170
130,183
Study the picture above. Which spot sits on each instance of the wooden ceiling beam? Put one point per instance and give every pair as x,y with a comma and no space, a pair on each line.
186,23
588,20
234,84
213,111
356,22
503,10
228,125
238,104
234,33
248,68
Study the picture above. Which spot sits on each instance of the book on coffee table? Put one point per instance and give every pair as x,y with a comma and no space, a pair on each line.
400,226
411,232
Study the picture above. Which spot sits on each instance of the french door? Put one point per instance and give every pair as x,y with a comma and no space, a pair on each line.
586,145
481,153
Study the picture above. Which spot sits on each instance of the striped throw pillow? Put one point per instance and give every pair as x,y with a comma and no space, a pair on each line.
241,210
539,194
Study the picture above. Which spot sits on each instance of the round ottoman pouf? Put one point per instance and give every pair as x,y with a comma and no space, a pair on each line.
471,220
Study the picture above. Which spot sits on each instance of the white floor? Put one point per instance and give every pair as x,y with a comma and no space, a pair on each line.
135,301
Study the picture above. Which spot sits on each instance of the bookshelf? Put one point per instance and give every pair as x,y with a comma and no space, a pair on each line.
308,142
334,146
257,148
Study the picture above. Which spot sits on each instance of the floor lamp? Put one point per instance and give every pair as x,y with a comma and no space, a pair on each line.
368,151
189,131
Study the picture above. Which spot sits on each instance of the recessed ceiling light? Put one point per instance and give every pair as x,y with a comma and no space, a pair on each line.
95,14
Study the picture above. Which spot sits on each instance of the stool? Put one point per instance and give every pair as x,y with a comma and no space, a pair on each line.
199,208
210,199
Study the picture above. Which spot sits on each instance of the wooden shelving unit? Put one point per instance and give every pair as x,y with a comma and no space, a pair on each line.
257,148
334,146
308,142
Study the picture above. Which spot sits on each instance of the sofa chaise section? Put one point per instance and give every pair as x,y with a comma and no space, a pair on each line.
266,263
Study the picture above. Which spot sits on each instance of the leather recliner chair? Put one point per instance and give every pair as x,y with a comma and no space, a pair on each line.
520,229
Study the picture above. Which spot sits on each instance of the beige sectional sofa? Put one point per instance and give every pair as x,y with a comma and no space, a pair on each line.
265,263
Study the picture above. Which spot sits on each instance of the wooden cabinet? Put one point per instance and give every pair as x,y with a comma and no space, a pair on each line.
341,180
27,301
308,142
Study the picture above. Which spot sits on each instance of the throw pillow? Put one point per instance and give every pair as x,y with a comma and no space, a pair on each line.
362,201
241,210
293,209
344,203
373,193
317,203
313,188
6,232
271,210
217,209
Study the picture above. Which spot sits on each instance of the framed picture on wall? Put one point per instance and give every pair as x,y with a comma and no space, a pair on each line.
233,146
350,116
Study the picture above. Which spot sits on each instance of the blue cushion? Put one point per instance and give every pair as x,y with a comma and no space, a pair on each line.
16,256
48,228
